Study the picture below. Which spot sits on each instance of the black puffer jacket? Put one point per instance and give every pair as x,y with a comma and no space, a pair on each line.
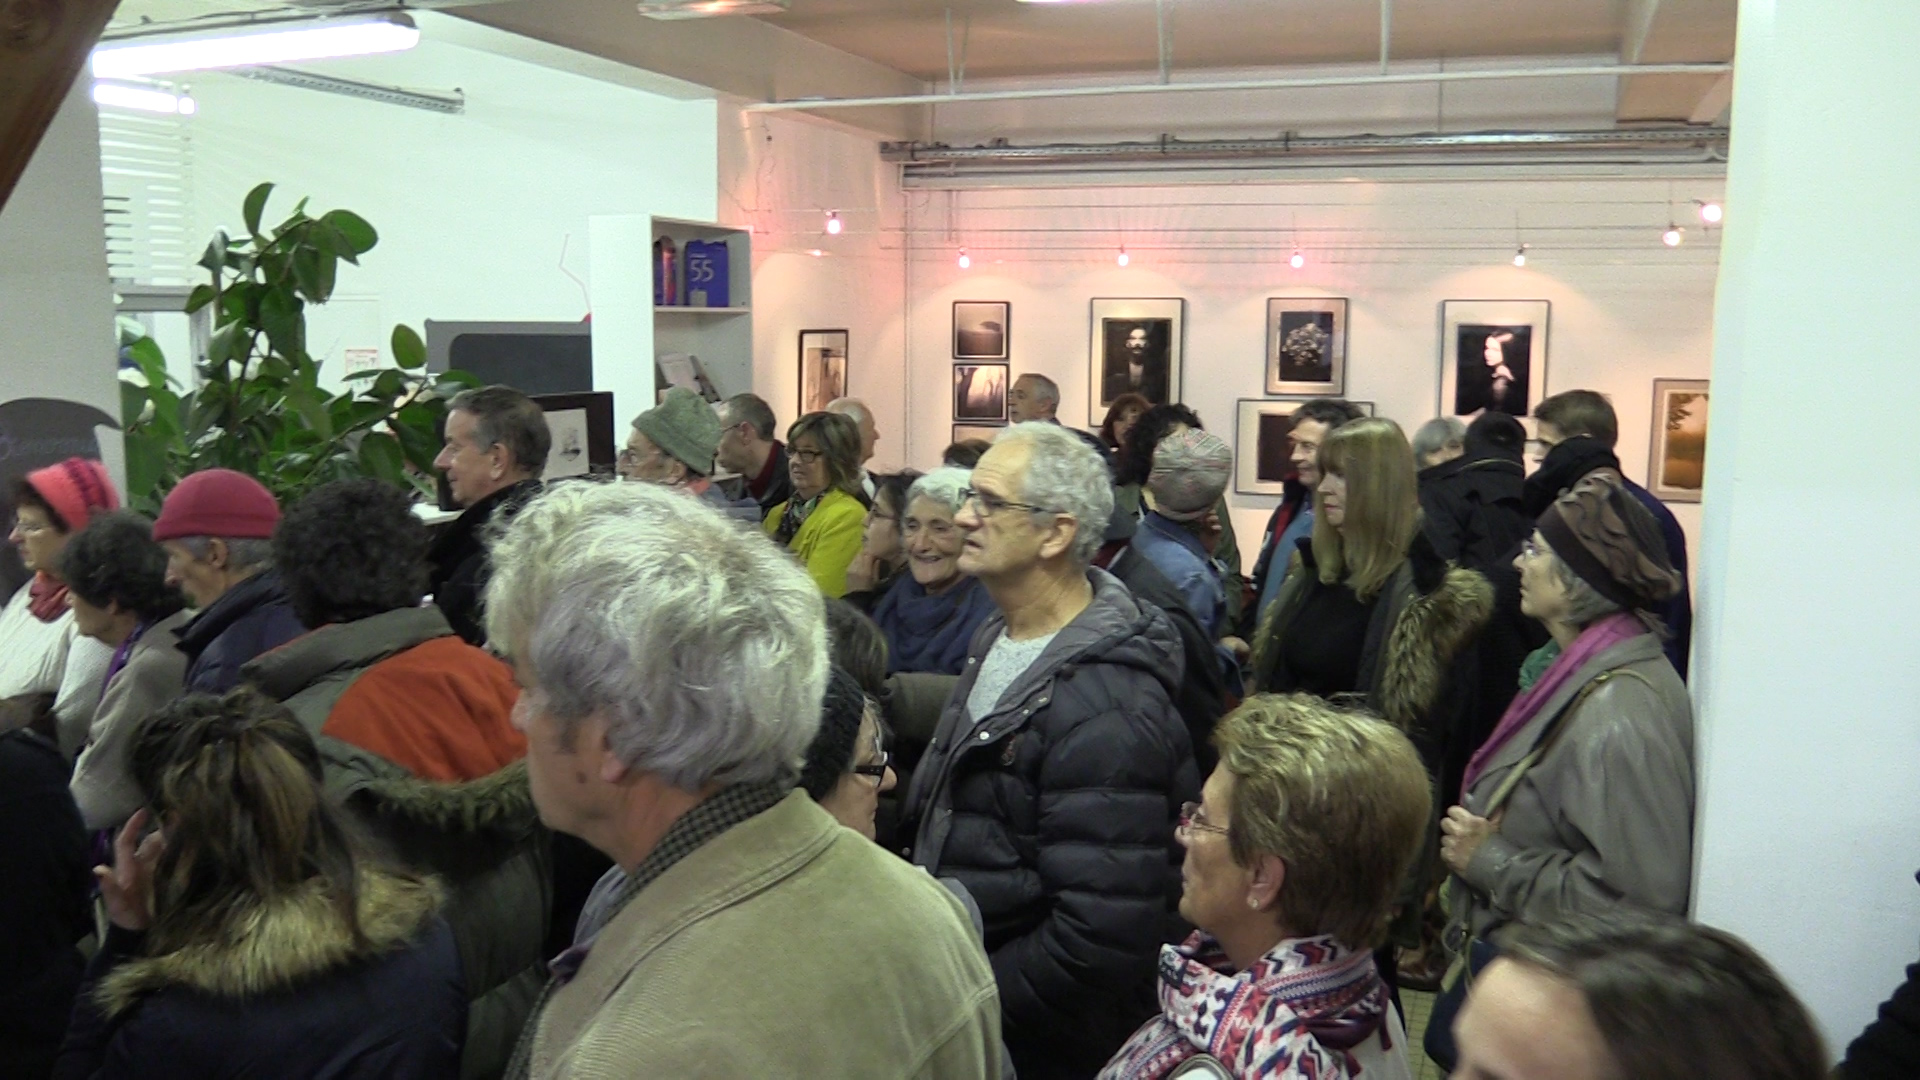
251,618
1056,811
457,565
1474,510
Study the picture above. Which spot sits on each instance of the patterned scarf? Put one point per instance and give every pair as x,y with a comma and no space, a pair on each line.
795,516
46,597
1298,1011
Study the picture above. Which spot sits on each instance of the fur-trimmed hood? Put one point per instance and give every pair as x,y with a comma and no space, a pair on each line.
278,945
499,806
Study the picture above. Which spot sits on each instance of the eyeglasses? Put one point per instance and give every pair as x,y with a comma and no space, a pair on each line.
1193,819
629,456
988,505
806,457
939,530
876,770
1531,548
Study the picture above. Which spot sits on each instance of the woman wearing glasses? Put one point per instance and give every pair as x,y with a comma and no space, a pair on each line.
822,524
847,767
931,613
883,551
1294,856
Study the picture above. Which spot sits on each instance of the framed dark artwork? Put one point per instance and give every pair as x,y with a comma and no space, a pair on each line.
981,329
1136,346
983,432
1263,444
1307,346
980,392
1493,355
823,369
1677,461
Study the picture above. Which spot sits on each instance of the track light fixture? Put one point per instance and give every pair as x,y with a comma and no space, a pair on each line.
1298,260
965,262
833,223
1123,259
1711,212
1520,256
1672,236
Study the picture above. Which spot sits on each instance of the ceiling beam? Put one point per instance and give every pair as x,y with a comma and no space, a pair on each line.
43,46
1673,32
738,57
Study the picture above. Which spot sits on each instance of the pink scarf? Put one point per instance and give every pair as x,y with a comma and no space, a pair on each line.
1593,641
46,597
1298,1011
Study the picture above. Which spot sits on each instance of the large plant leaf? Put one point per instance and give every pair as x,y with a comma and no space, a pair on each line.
215,258
381,456
281,316
409,352
255,203
353,228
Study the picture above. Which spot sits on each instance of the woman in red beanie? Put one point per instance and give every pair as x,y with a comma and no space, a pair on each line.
40,654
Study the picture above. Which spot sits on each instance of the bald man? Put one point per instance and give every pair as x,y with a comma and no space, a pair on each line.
856,410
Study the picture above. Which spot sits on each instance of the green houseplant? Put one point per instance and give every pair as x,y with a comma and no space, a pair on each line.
259,407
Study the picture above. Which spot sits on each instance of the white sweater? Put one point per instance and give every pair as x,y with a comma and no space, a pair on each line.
52,658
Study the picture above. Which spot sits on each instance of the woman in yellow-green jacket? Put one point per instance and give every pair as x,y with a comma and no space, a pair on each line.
822,523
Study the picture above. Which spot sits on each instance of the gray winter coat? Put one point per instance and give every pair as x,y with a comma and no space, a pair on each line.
1056,811
1606,816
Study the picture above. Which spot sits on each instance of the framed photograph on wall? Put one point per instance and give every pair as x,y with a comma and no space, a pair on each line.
1263,444
1677,462
1493,355
1307,346
980,392
981,329
823,368
983,432
1135,346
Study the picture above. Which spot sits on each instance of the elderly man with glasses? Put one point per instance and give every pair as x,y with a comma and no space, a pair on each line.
1055,777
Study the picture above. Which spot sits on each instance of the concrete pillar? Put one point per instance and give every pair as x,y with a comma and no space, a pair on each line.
1806,679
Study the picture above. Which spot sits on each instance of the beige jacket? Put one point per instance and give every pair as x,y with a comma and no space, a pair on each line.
155,673
1606,816
786,946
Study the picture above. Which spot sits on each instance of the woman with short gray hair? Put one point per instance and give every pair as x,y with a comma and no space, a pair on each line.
931,612
1439,441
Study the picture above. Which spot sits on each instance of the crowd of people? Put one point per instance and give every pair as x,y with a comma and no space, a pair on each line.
756,762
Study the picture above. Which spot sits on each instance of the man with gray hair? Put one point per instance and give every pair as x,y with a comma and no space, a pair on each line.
1059,765
856,410
672,670
749,451
496,451
1034,397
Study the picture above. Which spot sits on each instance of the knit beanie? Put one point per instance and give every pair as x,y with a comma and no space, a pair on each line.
218,502
1190,471
831,754
1611,542
685,428
77,488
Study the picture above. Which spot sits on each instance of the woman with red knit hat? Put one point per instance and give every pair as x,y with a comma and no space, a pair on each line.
217,528
40,653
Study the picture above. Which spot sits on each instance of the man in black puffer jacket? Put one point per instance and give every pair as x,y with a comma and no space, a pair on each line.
1054,779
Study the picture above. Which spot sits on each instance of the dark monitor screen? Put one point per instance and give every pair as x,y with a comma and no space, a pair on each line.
532,363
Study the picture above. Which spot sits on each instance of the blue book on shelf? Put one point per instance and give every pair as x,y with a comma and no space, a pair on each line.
706,262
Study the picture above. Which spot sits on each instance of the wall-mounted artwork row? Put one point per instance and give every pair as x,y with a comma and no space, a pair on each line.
1263,444
1307,346
1136,346
980,392
1493,355
981,329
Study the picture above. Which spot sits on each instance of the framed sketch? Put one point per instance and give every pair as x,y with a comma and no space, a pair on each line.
1307,346
983,432
582,429
1136,347
1263,444
1677,463
981,329
980,392
1493,355
823,368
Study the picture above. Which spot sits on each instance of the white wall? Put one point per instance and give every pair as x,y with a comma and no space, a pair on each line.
473,209
1626,310
56,303
1804,669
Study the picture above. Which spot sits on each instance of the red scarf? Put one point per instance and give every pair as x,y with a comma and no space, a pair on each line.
47,597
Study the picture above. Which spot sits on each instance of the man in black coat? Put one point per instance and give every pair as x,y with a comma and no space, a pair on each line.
1474,509
496,450
1055,776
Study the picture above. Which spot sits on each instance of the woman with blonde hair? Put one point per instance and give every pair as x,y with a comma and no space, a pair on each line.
251,932
1294,856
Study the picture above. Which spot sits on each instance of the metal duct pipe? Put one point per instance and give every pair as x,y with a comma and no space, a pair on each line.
1302,83
1169,149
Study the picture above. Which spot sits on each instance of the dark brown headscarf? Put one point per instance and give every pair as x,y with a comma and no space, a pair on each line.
1611,542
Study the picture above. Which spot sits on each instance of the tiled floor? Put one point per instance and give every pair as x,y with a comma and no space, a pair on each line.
1419,1006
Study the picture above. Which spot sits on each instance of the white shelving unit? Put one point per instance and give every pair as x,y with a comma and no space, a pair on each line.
722,337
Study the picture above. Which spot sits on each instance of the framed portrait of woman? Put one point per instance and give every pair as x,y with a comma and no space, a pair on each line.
1493,356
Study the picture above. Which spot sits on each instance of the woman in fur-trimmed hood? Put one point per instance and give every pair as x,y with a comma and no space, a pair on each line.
252,933
1369,614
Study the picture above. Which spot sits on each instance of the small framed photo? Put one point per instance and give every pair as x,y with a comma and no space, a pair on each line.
1263,444
983,432
1307,346
980,392
1136,347
981,329
823,369
1677,462
1493,355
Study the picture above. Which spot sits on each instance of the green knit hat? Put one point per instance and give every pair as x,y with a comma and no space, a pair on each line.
685,428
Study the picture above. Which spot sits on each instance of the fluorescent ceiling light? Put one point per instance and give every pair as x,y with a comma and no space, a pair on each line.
704,9
276,44
143,98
